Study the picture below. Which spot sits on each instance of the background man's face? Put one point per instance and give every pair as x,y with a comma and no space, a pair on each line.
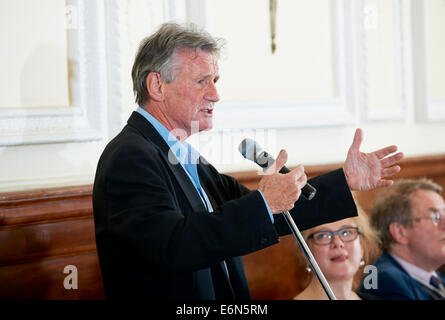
427,241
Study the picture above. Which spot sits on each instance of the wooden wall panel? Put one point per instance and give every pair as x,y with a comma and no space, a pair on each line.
31,241
44,278
45,204
42,231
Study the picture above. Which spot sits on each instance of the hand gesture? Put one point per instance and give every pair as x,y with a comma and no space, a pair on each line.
281,191
365,171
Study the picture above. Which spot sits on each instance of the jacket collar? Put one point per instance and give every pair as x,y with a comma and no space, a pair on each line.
141,124
417,289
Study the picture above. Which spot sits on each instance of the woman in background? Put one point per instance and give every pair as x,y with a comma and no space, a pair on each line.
340,249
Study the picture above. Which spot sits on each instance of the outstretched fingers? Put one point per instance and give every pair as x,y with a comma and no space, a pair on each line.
384,183
385,151
390,171
388,162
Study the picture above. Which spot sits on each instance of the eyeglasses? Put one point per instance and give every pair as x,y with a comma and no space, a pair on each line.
326,237
435,216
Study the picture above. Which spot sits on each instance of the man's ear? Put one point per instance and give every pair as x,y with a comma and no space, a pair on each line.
398,232
155,86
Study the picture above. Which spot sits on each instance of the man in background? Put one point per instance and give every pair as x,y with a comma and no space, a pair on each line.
409,221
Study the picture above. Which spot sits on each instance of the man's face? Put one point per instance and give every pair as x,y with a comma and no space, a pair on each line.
426,241
190,97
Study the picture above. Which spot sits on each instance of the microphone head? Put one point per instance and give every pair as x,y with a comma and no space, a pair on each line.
249,148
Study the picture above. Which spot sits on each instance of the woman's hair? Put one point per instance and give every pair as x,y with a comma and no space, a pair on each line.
394,205
157,53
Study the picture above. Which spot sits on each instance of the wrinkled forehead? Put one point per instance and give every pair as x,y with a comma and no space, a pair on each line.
196,58
426,199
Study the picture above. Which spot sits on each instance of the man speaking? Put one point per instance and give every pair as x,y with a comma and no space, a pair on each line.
168,224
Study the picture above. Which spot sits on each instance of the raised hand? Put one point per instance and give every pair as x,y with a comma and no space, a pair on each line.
365,171
281,191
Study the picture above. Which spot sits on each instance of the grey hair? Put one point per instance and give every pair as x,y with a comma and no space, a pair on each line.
394,205
157,52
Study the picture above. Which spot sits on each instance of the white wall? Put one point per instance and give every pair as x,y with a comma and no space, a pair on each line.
339,65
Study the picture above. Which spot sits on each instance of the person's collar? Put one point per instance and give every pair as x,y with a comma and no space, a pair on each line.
413,270
183,151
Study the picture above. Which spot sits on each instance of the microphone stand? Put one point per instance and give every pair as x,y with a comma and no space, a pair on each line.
308,254
252,151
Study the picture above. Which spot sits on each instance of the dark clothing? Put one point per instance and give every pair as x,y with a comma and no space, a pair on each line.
394,283
155,238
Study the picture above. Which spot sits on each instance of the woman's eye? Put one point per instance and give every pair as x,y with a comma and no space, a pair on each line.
322,236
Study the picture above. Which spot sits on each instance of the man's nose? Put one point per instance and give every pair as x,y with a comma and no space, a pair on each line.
212,93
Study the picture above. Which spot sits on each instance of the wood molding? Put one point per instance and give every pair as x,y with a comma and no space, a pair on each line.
43,230
45,204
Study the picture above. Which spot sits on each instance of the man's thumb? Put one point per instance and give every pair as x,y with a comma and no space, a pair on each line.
281,160
358,138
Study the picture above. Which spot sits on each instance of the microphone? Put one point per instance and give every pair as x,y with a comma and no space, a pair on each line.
253,151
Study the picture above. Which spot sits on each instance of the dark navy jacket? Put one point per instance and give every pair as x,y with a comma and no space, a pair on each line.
394,283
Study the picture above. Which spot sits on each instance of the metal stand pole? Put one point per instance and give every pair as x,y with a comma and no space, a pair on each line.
308,254
252,151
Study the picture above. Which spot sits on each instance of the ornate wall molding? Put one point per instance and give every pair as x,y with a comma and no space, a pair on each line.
83,120
428,107
280,114
402,46
115,29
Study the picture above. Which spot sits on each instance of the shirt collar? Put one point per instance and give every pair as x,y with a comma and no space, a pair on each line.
414,271
183,151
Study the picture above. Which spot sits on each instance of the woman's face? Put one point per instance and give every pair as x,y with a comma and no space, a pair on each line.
338,260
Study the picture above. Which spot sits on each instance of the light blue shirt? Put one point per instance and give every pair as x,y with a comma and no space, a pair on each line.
186,155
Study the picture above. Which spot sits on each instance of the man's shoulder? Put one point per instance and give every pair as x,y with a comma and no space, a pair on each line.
129,138
393,282
387,266
126,147
441,275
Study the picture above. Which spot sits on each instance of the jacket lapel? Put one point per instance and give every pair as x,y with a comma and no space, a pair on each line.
420,290
150,133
